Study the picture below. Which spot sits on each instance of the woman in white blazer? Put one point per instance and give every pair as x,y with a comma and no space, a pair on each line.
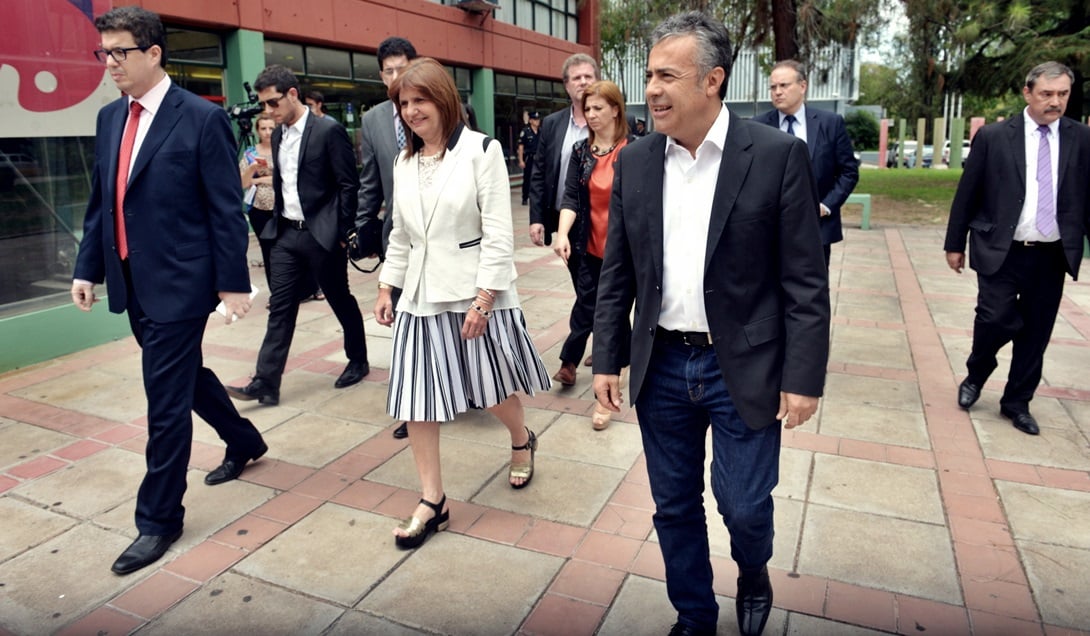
460,340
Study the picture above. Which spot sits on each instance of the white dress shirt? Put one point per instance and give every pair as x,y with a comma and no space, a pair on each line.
572,134
799,127
1027,220
151,101
290,147
688,189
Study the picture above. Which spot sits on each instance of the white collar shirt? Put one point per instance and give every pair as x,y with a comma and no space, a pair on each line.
688,191
572,134
151,102
799,127
290,148
1026,230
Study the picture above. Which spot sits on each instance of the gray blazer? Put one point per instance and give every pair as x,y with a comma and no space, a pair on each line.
378,150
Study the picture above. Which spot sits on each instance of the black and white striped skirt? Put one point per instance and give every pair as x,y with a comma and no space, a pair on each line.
436,374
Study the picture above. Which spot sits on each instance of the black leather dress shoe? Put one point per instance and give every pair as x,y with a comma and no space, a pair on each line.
231,468
754,602
688,630
401,432
255,390
147,549
352,374
968,394
1022,421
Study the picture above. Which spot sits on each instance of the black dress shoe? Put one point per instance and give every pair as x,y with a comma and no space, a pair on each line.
231,468
1022,421
968,393
688,630
754,602
147,549
401,432
255,390
352,374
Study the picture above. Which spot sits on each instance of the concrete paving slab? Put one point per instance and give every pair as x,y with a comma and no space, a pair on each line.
315,440
466,467
563,490
878,279
24,442
365,402
890,394
474,587
877,424
89,487
91,391
795,468
27,525
1060,579
354,623
880,552
1055,447
1047,515
877,488
334,553
870,345
571,437
804,625
855,306
233,604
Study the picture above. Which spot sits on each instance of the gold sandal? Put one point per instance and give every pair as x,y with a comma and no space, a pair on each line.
524,471
599,420
419,531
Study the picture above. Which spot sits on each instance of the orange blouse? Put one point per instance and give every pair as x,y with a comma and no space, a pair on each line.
601,187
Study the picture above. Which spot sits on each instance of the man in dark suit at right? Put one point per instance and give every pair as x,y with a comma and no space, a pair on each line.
314,179
1023,201
381,139
559,133
713,236
836,169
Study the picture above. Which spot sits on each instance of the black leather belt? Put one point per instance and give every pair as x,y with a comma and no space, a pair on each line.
299,225
1036,243
687,338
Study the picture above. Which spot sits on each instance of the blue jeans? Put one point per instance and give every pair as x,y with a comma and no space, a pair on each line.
683,392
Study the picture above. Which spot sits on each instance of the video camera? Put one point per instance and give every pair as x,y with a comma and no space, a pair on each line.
243,112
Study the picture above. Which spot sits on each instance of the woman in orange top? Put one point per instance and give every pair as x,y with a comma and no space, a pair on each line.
584,217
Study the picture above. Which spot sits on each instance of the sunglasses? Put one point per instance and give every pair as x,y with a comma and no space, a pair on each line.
272,102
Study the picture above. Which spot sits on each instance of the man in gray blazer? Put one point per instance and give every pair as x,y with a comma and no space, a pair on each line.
379,145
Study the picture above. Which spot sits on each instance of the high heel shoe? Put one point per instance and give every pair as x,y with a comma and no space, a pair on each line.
524,471
419,531
599,420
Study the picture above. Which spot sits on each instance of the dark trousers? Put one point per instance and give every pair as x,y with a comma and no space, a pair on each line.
527,173
581,322
1017,304
683,394
176,383
258,219
295,259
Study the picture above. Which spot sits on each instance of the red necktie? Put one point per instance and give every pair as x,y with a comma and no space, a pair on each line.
123,161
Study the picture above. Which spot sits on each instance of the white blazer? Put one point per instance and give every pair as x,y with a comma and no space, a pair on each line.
466,241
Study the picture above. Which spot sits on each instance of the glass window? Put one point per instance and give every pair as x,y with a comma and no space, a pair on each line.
328,62
365,67
541,18
285,53
202,80
197,47
506,84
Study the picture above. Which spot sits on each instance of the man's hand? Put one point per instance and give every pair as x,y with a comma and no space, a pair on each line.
83,295
237,304
796,409
607,388
537,234
956,261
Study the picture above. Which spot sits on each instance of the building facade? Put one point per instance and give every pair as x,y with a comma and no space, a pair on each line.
505,60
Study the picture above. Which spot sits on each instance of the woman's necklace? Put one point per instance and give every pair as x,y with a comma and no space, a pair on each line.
601,153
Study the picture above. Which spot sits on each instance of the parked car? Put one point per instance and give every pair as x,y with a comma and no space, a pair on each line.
964,152
910,154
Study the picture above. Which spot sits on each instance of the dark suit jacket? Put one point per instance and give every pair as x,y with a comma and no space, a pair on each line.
992,190
765,285
186,232
543,183
327,181
833,160
378,150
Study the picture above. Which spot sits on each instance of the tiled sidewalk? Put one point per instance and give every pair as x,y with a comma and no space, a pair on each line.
896,510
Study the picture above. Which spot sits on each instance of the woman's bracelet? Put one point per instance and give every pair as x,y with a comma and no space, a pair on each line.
385,286
484,302
490,293
484,312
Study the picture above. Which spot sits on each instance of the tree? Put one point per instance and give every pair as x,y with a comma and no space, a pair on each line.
862,129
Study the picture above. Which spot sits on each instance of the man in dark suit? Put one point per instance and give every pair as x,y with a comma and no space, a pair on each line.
732,335
559,132
381,138
831,156
1023,201
164,229
314,178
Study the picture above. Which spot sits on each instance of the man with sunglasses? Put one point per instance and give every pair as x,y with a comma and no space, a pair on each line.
314,179
163,229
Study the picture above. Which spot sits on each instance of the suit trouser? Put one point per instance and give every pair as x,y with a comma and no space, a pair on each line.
527,174
682,394
258,220
295,257
581,322
1018,303
176,384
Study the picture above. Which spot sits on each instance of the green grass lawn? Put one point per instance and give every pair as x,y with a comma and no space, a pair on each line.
903,196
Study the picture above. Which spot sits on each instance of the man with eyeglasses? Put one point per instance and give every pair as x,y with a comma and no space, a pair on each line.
381,138
835,167
164,230
314,180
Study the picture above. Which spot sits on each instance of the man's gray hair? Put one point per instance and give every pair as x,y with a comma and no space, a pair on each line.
1050,70
577,60
713,46
794,65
